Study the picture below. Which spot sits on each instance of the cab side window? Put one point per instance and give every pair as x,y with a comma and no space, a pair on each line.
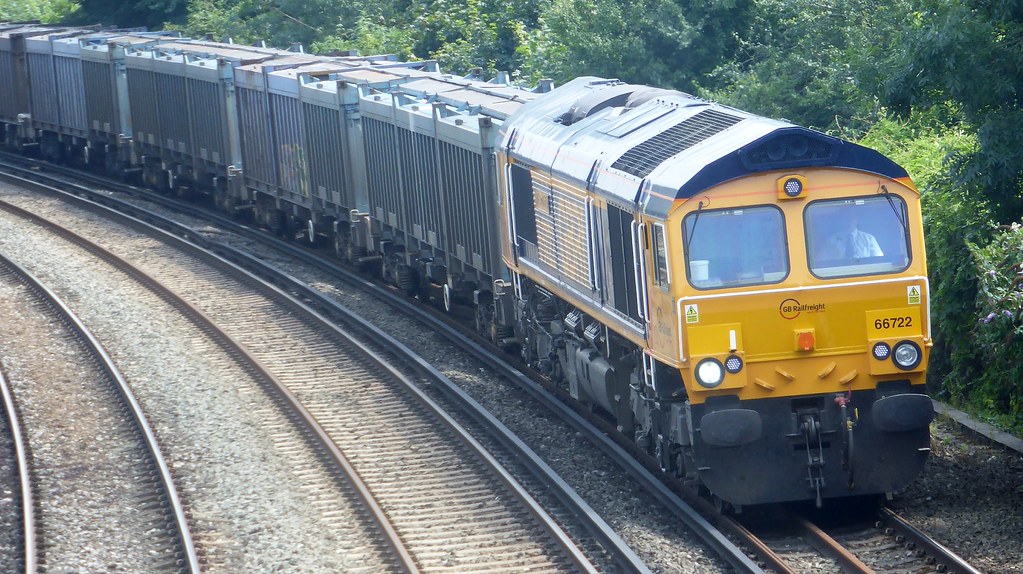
660,254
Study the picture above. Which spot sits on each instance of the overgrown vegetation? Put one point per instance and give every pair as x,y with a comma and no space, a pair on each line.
998,386
41,10
935,84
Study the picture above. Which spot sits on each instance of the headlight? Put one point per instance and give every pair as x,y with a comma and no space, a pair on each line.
710,372
793,187
733,364
881,351
906,355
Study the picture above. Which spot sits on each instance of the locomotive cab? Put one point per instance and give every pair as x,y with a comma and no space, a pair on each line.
746,298
804,335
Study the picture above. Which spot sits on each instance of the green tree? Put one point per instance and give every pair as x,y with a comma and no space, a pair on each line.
997,333
280,23
46,11
666,43
152,14
369,37
468,34
970,53
800,59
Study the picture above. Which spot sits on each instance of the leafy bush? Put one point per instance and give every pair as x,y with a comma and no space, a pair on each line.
46,11
998,334
954,224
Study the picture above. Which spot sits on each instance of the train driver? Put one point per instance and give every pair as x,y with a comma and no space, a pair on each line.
849,241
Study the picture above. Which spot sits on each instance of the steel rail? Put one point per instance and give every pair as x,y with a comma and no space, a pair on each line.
106,363
24,475
830,547
942,555
194,242
253,366
682,509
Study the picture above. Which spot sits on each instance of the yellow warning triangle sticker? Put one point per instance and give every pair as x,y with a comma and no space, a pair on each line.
913,292
692,314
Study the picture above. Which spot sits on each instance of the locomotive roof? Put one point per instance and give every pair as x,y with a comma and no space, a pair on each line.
648,147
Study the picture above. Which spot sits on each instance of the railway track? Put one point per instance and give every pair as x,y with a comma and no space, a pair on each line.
74,501
861,540
475,526
17,518
686,527
689,533
219,476
699,519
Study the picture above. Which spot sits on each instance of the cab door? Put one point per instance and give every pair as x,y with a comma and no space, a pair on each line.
662,332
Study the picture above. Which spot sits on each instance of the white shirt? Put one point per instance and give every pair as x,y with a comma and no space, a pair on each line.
856,244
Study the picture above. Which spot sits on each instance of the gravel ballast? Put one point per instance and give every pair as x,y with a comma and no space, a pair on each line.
968,496
222,436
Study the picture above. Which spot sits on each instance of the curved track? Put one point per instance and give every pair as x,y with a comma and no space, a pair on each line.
676,503
814,539
179,552
14,457
306,388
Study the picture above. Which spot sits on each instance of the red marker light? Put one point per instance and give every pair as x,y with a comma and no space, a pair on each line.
805,341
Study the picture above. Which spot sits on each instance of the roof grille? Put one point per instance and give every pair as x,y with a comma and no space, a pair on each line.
642,159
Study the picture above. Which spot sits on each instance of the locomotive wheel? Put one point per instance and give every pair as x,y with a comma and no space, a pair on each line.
499,333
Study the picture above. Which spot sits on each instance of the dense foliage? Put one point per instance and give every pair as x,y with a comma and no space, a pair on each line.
999,384
936,84
42,10
964,60
799,60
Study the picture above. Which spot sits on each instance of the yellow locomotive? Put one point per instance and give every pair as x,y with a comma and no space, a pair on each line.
745,297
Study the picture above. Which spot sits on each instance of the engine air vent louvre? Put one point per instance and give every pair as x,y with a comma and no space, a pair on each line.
642,159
